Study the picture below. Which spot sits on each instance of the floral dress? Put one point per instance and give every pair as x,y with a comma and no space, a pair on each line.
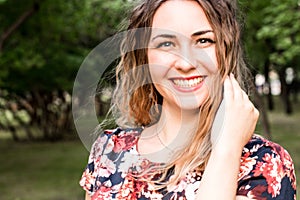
266,171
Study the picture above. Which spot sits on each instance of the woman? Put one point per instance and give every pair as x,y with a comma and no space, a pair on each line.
168,94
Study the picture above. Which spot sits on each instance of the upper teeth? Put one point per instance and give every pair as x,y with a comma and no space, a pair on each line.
188,83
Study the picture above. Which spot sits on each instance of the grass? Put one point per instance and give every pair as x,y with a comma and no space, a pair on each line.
41,171
51,171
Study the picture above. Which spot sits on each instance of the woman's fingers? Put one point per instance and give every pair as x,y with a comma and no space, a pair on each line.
232,89
240,115
228,89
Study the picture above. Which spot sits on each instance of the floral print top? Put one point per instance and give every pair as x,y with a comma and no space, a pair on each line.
266,171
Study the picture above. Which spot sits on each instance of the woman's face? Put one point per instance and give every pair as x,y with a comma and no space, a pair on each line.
181,54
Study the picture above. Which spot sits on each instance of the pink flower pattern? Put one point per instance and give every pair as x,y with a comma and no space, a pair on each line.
266,171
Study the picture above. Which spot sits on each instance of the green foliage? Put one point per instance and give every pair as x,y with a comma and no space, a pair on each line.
45,44
50,45
282,28
46,51
11,117
272,32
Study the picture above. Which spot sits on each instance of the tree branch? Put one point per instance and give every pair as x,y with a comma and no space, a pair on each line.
8,32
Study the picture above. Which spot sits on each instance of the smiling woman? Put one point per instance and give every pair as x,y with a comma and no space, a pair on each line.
167,96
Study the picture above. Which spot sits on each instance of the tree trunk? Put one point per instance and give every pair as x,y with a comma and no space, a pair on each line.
263,114
285,96
295,90
13,132
28,132
267,79
41,108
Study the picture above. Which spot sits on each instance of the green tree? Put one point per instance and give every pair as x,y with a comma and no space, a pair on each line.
43,43
273,39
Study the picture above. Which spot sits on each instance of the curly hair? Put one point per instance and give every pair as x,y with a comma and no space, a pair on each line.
135,99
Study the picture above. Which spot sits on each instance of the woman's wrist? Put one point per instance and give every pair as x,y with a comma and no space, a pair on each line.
226,153
221,172
228,147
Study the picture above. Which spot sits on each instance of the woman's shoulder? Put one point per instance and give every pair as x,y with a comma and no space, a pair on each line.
115,140
266,169
109,160
118,132
265,152
259,146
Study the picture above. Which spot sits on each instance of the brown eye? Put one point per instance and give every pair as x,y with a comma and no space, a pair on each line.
204,42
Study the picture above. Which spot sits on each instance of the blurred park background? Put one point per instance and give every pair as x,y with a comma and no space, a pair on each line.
44,42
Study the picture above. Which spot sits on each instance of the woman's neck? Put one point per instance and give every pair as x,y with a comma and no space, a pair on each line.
176,126
172,133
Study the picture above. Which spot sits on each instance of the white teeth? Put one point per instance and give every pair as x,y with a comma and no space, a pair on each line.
187,83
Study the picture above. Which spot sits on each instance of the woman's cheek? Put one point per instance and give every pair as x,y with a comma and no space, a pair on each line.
214,62
161,57
160,63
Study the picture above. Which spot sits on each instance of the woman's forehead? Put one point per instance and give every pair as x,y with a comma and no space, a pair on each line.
184,17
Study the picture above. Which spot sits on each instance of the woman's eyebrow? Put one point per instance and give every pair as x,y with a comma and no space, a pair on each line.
170,36
164,36
201,32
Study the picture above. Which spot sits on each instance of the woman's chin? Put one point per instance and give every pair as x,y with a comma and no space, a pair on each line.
189,104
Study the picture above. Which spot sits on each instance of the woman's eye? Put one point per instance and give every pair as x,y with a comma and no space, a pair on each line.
204,42
165,44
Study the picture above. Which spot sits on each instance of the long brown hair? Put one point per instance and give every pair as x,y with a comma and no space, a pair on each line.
135,97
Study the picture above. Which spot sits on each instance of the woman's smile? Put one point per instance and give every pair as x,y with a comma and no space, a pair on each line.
188,84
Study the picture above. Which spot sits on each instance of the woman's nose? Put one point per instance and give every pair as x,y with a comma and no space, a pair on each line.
185,61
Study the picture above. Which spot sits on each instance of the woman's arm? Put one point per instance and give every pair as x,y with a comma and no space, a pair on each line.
242,198
219,180
87,196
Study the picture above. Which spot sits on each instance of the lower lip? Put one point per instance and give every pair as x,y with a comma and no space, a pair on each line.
188,89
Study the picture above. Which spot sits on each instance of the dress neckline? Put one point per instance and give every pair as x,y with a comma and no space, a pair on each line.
147,157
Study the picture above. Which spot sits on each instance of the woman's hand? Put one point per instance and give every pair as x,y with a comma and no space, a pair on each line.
238,123
238,118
